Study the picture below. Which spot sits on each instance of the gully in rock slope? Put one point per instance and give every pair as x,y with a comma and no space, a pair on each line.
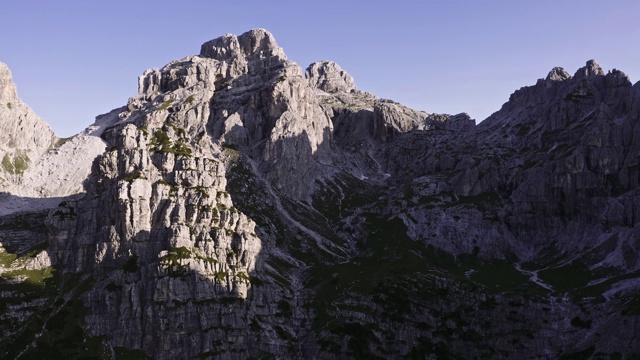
240,209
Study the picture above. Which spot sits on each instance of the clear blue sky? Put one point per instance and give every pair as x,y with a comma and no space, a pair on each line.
73,60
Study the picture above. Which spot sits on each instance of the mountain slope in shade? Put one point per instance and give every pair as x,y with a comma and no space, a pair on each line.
237,208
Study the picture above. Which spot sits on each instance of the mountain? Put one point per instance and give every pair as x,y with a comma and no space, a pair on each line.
24,137
238,207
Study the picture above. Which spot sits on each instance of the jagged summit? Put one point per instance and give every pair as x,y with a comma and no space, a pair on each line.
24,137
8,92
589,70
559,97
256,42
558,74
329,76
236,208
245,93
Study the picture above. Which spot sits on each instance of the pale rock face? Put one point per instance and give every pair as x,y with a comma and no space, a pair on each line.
390,115
8,92
162,208
62,170
251,95
236,209
24,137
329,77
589,70
558,74
36,164
254,43
39,262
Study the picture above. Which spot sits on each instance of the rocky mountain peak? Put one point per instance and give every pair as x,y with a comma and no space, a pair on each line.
558,74
329,77
24,137
237,209
589,70
256,42
8,91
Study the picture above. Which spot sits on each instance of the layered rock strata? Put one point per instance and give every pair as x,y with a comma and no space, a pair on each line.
235,209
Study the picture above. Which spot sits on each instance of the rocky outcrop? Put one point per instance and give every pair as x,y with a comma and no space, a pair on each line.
253,98
235,209
35,163
24,137
329,77
8,90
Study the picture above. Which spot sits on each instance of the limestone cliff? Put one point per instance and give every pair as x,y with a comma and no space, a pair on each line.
236,208
24,137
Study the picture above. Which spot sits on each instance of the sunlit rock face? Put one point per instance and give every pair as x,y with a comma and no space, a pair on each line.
24,137
236,209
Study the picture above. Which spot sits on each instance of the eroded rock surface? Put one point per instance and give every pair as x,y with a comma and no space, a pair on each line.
236,209
329,77
24,137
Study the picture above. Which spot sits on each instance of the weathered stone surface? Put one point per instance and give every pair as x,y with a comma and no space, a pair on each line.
236,209
558,74
24,137
8,92
329,76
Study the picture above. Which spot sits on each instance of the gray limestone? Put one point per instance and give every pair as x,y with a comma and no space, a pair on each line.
329,77
235,209
24,137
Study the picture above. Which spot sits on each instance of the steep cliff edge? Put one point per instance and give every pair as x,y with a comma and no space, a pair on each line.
38,168
236,208
24,137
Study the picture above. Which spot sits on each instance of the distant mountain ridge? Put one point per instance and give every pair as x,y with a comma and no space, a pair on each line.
238,207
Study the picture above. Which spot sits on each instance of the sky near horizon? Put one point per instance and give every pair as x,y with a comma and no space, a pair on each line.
73,60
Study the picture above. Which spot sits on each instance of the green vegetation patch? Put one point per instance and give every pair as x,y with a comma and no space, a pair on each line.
244,277
498,275
135,175
567,277
165,105
180,132
173,188
181,148
55,329
221,275
6,258
391,258
17,274
161,140
163,144
16,166
244,187
173,261
189,99
63,141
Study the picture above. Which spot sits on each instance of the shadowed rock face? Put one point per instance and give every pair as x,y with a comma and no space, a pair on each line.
236,209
